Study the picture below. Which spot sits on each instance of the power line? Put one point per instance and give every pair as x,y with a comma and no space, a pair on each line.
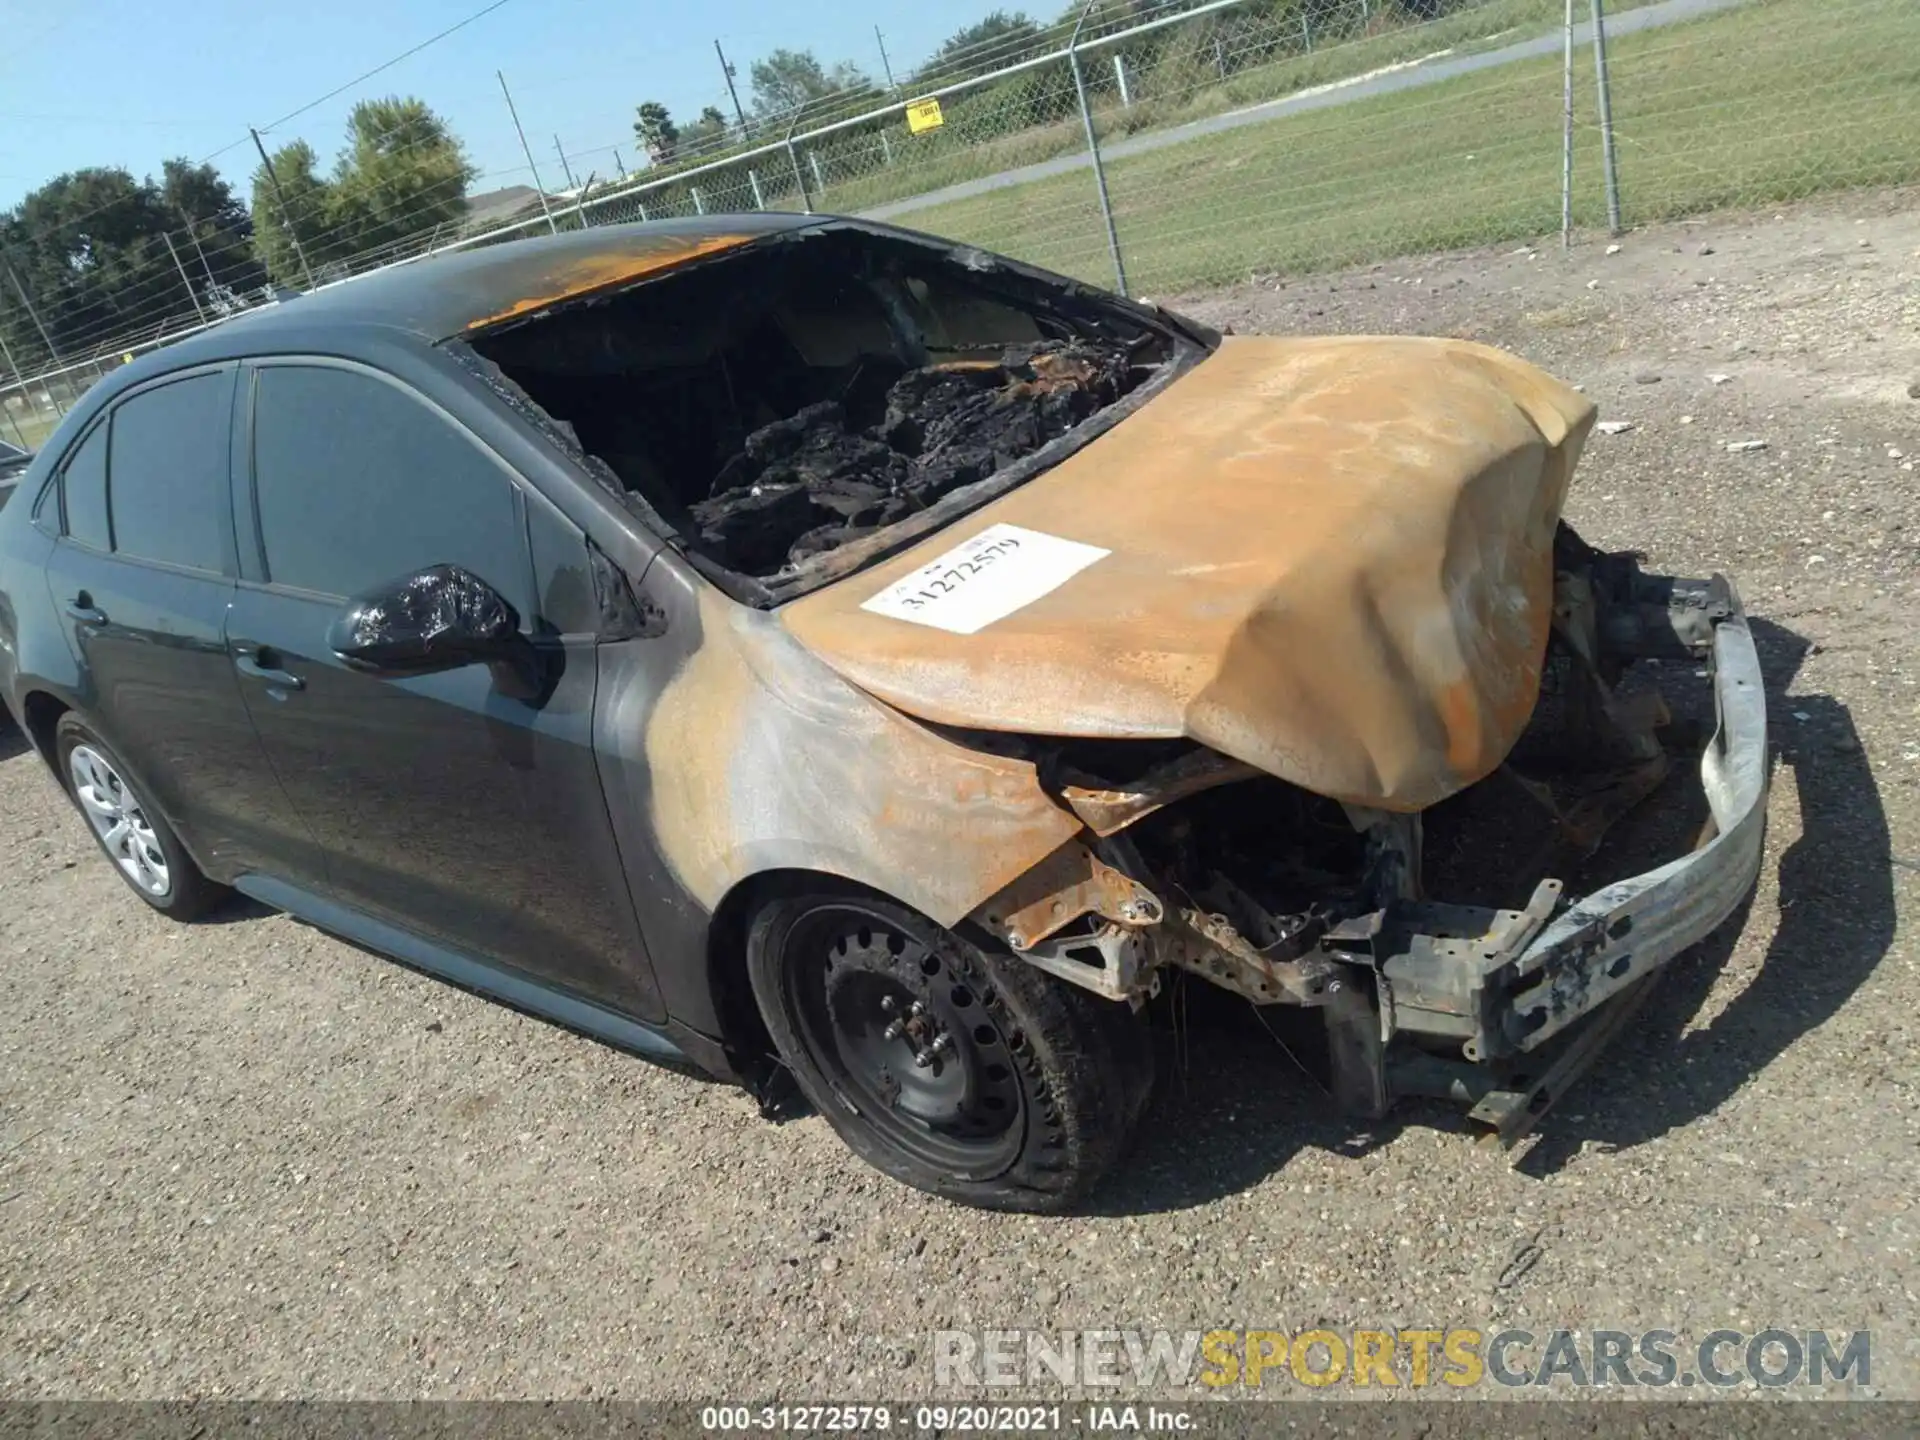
387,65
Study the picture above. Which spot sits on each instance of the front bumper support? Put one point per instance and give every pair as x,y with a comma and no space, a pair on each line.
1512,988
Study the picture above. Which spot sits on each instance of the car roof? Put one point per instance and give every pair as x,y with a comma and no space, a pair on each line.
446,295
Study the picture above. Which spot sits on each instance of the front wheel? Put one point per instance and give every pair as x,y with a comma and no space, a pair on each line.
948,1064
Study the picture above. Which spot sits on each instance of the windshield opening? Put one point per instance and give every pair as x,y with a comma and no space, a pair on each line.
798,407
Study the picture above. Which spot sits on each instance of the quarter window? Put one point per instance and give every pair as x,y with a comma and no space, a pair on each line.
83,488
359,484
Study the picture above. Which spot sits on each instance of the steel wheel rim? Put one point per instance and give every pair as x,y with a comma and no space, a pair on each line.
963,1110
119,820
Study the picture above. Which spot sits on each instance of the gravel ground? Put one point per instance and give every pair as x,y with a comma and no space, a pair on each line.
241,1158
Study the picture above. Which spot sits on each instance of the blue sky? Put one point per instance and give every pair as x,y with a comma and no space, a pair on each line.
131,82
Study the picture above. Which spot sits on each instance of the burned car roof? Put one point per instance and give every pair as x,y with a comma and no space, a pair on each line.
447,295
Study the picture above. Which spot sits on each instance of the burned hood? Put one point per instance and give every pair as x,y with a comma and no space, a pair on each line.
1330,558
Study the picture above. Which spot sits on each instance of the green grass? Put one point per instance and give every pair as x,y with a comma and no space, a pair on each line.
1173,94
1774,102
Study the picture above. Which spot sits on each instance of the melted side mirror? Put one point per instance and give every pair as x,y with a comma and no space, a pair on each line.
440,618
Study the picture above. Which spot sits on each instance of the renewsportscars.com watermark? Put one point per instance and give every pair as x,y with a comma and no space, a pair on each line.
1457,1357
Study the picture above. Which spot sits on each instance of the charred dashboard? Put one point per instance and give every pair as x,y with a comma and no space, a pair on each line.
796,407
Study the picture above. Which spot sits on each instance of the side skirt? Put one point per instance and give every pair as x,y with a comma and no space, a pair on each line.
496,982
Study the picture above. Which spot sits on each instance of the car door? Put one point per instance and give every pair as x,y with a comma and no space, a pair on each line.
443,805
142,576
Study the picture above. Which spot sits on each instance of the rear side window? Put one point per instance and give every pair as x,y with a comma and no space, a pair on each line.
167,474
83,488
359,484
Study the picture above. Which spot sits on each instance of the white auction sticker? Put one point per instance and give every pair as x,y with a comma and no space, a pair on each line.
1002,569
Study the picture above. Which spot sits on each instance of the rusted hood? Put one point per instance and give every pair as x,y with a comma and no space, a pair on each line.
1330,558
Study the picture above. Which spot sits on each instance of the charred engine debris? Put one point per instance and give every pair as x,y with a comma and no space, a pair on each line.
796,407
820,478
1197,862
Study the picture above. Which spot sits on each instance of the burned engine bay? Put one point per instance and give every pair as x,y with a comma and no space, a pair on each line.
784,408
1411,933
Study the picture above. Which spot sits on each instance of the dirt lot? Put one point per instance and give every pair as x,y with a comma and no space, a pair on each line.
244,1159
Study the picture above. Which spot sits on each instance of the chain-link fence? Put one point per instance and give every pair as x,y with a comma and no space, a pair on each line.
1714,103
1165,146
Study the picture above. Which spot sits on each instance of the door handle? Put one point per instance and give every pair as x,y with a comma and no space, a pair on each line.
250,665
82,608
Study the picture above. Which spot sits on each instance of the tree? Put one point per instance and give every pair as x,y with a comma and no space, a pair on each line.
704,135
402,177
998,40
400,180
788,79
219,231
298,201
90,249
653,127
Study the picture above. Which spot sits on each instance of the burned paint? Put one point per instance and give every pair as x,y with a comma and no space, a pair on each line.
1332,559
584,275
762,758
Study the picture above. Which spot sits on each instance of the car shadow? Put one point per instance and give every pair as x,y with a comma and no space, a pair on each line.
13,740
1836,921
236,909
1236,1102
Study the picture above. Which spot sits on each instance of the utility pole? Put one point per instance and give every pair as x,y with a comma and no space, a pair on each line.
16,378
727,70
279,199
565,169
193,233
168,239
619,163
527,151
32,314
885,64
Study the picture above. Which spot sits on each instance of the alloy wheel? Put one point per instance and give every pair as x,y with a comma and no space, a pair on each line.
119,818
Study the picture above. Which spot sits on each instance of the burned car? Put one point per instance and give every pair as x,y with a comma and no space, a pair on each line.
834,657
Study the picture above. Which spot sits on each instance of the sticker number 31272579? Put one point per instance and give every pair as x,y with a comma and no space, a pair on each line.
1002,569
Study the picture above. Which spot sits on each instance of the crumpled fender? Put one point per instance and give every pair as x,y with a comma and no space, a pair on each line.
761,758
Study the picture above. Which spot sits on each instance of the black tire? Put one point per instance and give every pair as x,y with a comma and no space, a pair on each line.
1027,1102
188,893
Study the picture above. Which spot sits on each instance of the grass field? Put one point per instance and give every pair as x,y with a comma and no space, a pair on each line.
1174,95
1779,100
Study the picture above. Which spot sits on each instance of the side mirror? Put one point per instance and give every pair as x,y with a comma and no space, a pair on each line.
440,618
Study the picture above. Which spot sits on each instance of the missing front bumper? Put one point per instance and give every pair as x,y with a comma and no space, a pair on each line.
1496,1008
1530,996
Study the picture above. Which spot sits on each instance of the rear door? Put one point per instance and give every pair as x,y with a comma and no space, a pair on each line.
142,576
443,806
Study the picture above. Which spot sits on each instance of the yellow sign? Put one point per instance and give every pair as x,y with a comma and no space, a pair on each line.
924,115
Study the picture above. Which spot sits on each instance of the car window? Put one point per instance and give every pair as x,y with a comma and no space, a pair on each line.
358,484
167,490
84,491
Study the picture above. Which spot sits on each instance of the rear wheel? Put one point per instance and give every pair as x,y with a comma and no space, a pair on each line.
133,835
941,1060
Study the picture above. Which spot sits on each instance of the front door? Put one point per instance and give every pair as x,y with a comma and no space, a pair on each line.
441,804
143,576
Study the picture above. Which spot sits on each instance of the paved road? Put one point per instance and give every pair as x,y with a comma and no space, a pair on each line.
1666,12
